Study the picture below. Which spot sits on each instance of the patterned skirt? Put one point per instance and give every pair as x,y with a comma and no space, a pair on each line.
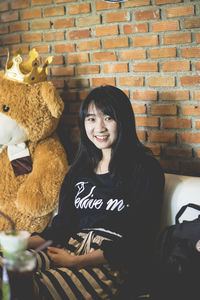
88,283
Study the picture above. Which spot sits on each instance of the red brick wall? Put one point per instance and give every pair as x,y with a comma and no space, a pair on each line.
148,48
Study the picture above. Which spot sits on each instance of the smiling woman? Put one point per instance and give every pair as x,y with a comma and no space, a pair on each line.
108,200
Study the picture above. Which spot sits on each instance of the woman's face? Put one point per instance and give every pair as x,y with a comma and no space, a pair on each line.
101,129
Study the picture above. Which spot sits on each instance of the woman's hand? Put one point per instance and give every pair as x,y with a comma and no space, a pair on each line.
61,257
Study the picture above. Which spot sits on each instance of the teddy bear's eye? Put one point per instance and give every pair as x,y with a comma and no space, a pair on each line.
6,108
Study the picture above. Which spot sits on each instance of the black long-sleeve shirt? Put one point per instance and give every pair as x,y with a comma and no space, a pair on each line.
131,209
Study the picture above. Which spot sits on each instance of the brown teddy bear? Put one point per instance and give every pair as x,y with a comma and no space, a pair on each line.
33,162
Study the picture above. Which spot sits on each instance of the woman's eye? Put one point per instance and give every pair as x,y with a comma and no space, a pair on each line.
6,108
108,118
90,119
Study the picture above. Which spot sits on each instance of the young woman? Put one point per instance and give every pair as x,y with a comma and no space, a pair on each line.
109,208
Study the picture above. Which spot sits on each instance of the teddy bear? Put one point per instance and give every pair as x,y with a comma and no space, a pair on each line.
33,162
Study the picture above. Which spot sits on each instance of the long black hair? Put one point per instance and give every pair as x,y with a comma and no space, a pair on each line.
126,150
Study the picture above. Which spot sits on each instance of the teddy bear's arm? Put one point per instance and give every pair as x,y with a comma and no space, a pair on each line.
39,193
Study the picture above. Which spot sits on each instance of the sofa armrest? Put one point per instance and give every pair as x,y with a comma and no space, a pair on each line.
179,190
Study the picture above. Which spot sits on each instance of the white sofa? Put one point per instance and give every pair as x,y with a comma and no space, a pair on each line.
179,190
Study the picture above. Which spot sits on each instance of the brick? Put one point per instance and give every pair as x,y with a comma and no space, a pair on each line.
161,137
69,119
116,43
104,56
163,109
63,71
139,108
197,124
9,16
91,69
77,83
74,107
150,40
3,51
78,58
115,68
79,9
147,121
178,152
62,48
162,53
156,149
31,14
4,29
192,23
101,5
197,35
19,4
176,123
11,39
135,28
178,38
41,2
179,11
151,14
79,34
165,26
121,16
32,37
103,81
89,21
175,95
106,30
141,135
145,67
131,81
54,11
170,165
160,2
187,137
196,95
190,52
23,26
83,94
58,60
190,80
145,95
190,168
54,36
24,49
89,45
137,3
64,23
193,110
133,54
42,48
40,25
161,81
169,66
65,1
4,6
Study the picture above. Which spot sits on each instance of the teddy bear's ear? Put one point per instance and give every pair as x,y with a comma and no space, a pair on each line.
52,98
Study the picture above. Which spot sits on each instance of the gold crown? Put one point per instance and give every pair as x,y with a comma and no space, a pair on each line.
28,72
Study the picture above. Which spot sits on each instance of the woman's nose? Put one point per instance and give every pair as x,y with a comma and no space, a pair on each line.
100,126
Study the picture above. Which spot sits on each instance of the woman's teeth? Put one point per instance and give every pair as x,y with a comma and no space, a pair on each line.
102,138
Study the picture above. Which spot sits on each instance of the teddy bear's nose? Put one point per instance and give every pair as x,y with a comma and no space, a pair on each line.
6,108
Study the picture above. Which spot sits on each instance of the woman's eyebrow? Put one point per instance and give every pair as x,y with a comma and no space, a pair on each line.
90,114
